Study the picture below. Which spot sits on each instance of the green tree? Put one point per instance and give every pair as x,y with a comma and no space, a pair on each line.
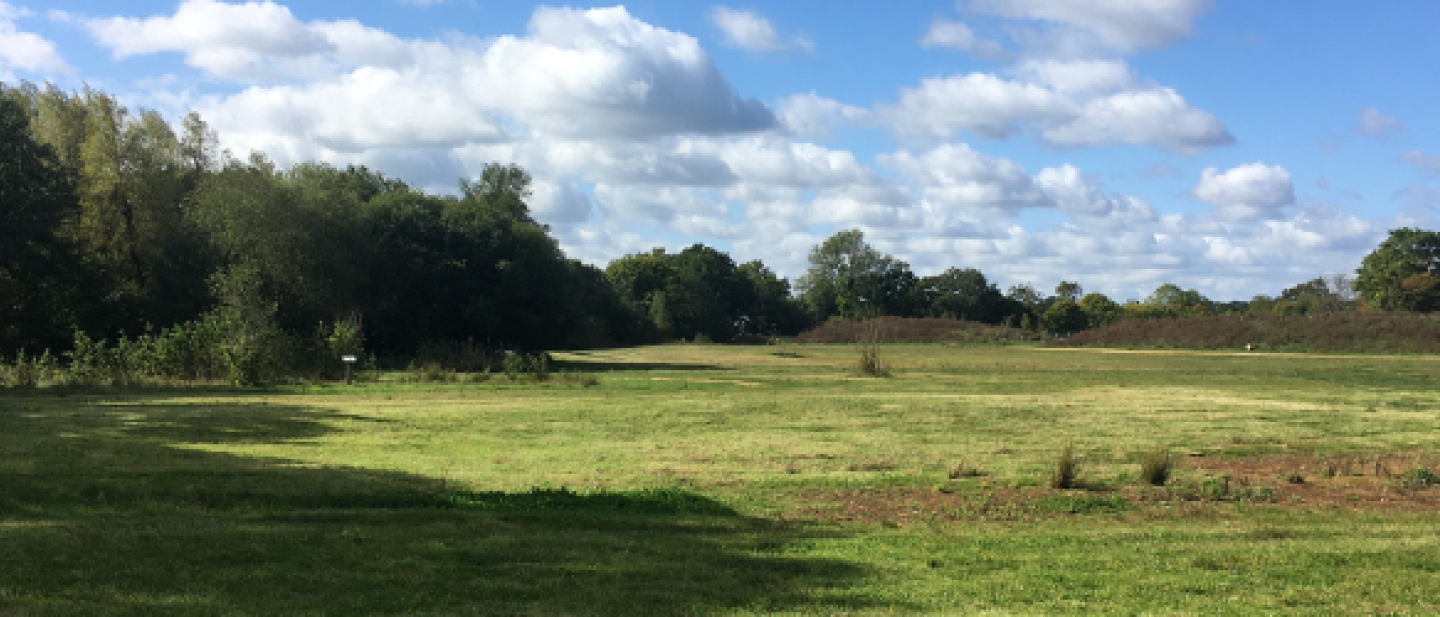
1171,299
37,265
1068,290
1403,273
1100,310
962,294
849,278
1064,316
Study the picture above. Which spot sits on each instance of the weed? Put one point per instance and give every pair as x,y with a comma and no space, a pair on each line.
962,470
1067,469
1156,467
1293,478
1419,477
1085,504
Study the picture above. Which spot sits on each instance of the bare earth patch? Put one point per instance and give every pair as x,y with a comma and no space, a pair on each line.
1298,482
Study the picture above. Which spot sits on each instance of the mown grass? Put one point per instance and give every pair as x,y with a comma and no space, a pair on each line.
686,481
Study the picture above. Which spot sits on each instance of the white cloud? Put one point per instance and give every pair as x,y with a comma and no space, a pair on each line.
979,102
1375,124
954,175
1077,77
602,73
559,201
1123,25
578,75
1158,117
814,117
1247,192
1069,104
751,31
1424,163
25,51
254,40
958,35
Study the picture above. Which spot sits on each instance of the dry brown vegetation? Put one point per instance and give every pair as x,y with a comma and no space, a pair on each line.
1337,332
915,330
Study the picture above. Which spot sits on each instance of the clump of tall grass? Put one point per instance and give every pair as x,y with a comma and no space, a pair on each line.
870,364
1067,469
1156,467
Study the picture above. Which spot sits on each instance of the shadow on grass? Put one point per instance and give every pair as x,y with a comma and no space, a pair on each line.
107,508
604,366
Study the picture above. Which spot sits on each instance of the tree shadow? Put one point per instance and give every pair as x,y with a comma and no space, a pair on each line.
110,506
594,366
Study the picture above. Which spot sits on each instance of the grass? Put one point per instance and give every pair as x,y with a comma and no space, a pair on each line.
731,480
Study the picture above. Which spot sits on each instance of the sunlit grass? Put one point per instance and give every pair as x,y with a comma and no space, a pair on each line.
683,482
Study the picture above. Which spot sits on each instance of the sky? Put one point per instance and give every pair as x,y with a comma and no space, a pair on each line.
1233,147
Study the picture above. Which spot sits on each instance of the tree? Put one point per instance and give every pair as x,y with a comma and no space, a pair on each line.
37,266
1064,316
1403,273
1068,290
1169,298
1100,310
849,278
961,294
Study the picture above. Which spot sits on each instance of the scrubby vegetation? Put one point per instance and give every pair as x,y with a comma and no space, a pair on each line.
916,330
1335,332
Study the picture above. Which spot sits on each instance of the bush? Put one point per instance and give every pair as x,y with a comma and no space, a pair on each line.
1067,469
1156,467
1419,477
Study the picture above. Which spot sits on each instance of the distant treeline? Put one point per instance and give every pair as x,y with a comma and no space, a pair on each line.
126,242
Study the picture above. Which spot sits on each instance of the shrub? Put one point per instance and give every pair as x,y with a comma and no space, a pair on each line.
1419,477
1067,469
1156,467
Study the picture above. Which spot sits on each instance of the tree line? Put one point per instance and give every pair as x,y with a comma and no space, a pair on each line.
116,226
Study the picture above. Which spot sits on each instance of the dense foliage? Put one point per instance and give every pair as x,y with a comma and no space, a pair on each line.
117,228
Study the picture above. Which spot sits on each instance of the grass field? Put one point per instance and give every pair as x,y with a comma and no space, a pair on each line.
740,480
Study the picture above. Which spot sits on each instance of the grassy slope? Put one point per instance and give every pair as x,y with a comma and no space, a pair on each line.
378,499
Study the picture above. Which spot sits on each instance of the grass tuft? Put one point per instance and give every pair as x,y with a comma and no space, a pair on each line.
1156,467
1067,469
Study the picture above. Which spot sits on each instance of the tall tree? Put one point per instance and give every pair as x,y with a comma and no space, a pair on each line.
963,294
1403,273
37,267
849,278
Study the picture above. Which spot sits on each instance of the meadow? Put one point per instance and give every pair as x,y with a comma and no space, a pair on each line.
703,479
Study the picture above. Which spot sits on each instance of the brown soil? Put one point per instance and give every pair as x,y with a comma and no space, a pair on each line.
1354,483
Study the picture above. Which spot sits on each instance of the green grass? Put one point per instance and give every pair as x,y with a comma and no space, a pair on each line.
693,480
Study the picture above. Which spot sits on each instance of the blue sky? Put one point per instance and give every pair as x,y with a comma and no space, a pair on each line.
1237,148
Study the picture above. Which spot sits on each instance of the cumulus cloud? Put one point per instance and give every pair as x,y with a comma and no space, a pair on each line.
1123,25
25,51
815,117
978,102
1424,163
254,40
1247,192
958,35
751,31
1068,104
954,175
1157,116
1372,123
577,75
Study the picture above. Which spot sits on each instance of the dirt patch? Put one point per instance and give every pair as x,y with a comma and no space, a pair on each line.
1283,481
738,382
